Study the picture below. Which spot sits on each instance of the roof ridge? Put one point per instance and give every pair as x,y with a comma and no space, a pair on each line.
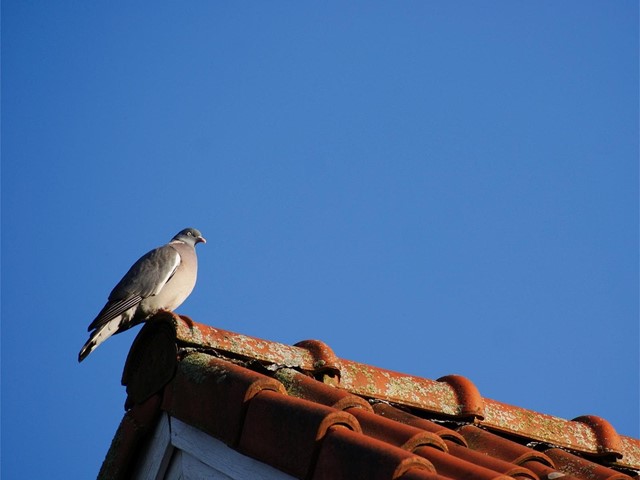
303,410
453,395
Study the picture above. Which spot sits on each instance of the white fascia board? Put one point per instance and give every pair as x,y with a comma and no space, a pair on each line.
178,451
219,456
157,452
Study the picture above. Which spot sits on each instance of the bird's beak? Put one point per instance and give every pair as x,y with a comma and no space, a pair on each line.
200,238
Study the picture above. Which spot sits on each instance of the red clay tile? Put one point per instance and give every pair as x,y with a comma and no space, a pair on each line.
376,460
212,394
324,360
582,468
469,398
608,440
577,436
393,387
502,448
303,386
455,467
135,426
151,362
241,346
303,433
545,472
386,410
426,395
630,453
395,433
492,463
416,474
284,431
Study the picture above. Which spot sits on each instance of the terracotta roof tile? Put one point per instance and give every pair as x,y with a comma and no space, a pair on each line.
607,439
419,474
545,472
386,410
213,395
303,386
502,448
581,467
285,431
376,459
492,463
395,433
313,415
324,360
134,428
470,402
455,467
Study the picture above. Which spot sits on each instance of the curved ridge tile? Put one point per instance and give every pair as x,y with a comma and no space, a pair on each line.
324,360
237,345
607,438
394,387
537,426
630,453
470,401
151,362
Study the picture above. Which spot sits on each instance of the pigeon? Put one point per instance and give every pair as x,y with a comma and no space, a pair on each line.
159,281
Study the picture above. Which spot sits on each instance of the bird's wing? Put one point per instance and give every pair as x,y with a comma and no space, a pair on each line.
145,278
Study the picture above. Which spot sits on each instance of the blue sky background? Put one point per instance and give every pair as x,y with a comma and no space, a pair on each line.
428,187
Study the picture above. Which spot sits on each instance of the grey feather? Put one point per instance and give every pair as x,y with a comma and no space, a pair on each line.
160,280
145,278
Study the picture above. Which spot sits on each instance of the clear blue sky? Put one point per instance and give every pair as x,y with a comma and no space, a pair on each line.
428,187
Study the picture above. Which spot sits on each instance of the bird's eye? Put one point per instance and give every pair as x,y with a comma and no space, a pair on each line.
190,234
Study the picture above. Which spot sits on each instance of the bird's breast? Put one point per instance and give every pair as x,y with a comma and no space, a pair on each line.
179,286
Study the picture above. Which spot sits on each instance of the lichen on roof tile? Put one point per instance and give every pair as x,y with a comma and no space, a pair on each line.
232,387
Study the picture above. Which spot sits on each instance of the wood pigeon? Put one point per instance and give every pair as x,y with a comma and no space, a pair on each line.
160,280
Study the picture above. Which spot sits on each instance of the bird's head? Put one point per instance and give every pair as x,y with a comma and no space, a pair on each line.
190,236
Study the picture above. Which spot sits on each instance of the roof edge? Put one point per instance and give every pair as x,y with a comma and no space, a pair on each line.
452,396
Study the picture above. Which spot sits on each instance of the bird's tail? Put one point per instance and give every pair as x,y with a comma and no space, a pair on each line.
98,336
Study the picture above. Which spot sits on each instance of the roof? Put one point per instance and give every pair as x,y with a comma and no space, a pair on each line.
313,415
